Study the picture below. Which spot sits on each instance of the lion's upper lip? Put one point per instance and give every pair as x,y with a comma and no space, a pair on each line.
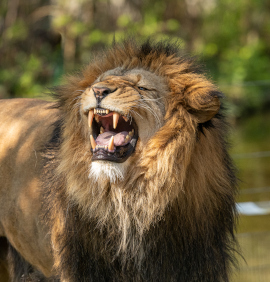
112,133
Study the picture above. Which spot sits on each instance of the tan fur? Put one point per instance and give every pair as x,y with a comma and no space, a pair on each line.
173,167
22,133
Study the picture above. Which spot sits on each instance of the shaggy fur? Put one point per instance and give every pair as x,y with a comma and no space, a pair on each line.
168,212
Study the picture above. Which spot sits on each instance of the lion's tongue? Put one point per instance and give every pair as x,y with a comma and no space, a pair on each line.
119,138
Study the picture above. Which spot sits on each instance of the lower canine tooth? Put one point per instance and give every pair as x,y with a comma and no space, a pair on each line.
101,130
97,118
111,144
93,142
125,119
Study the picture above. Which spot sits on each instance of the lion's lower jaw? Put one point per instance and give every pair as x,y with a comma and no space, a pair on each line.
107,171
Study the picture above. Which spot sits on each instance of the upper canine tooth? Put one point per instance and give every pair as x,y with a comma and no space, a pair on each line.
90,118
93,142
111,144
115,119
125,118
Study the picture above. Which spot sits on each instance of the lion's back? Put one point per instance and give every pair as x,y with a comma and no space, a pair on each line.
24,129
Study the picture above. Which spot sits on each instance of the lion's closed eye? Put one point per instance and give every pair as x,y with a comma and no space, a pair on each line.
142,88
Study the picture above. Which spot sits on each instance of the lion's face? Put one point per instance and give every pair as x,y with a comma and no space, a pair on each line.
123,109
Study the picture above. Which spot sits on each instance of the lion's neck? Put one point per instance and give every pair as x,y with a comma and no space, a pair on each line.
124,211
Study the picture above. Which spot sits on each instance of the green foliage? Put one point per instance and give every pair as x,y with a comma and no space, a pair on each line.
124,21
172,25
231,36
18,31
236,48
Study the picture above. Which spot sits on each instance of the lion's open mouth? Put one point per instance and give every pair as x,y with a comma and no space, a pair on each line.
114,135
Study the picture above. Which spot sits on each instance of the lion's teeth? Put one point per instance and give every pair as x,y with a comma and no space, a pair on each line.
111,144
101,111
125,119
127,138
101,130
97,118
115,119
90,118
131,133
100,147
93,142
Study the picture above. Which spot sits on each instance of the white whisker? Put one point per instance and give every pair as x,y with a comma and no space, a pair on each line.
151,111
135,113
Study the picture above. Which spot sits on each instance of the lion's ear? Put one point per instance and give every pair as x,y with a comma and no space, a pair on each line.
204,105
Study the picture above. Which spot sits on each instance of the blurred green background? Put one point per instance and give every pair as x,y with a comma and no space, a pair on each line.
41,40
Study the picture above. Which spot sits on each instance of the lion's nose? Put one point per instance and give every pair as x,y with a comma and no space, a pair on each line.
101,92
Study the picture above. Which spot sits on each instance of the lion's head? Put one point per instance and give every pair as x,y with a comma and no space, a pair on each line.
125,108
142,138
131,97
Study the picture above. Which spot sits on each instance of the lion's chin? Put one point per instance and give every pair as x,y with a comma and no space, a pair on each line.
101,171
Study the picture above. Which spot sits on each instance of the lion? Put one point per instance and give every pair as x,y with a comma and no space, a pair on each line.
125,176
